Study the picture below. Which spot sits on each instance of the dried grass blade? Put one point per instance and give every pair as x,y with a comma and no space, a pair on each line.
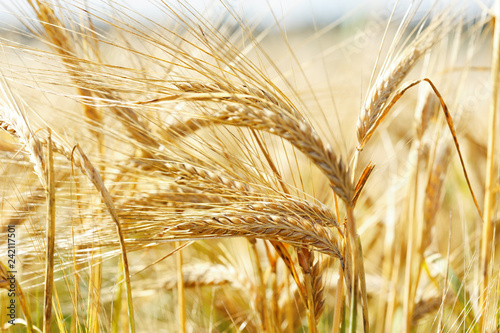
449,121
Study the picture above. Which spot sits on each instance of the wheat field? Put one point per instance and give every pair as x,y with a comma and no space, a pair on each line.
209,169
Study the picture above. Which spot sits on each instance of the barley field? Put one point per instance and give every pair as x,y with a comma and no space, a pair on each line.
210,168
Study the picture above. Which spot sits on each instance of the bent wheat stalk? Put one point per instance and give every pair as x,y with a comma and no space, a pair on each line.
449,120
96,179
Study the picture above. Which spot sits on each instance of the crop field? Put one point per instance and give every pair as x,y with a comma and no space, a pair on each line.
207,167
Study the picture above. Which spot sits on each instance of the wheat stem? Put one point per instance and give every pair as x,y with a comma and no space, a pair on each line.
260,298
181,299
117,302
50,229
487,234
339,302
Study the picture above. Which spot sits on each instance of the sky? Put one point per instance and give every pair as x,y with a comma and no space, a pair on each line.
296,12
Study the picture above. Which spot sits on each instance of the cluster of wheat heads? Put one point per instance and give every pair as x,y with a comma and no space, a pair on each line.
184,175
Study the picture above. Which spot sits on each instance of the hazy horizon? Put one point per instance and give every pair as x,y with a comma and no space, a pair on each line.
295,14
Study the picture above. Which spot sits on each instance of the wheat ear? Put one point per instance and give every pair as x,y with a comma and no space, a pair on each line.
299,134
385,85
257,109
62,42
383,88
284,228
15,124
